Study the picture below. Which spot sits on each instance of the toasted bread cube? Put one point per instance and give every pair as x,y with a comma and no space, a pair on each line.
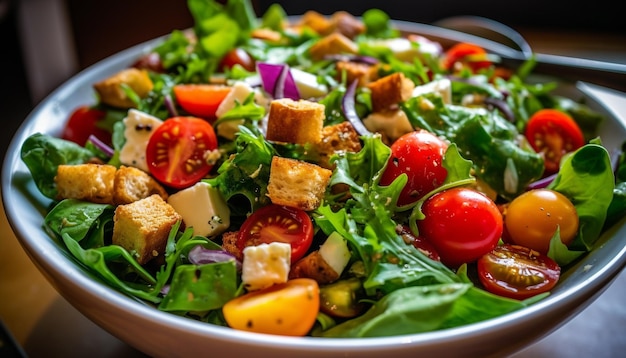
316,22
229,244
132,184
89,182
112,93
296,183
298,122
336,138
142,227
362,72
333,44
346,24
390,90
314,266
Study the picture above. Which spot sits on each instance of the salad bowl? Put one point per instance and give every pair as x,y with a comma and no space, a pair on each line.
158,333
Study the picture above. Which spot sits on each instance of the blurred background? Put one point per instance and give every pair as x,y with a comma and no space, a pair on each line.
44,42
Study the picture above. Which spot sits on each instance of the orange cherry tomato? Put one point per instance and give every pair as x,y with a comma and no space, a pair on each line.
553,133
471,55
288,309
201,100
178,149
277,223
517,272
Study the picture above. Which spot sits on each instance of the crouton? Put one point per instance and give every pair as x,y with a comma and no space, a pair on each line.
112,93
336,138
89,182
316,22
362,72
229,244
344,23
132,184
142,227
313,266
333,44
296,183
298,122
390,90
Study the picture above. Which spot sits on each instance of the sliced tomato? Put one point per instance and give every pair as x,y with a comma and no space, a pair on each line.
237,56
471,55
419,242
82,123
288,309
179,151
201,100
553,133
277,223
517,272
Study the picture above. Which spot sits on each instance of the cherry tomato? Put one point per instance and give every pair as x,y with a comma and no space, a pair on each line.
532,218
150,61
419,242
277,223
419,155
462,224
201,100
82,123
178,151
553,133
471,55
237,56
517,272
288,309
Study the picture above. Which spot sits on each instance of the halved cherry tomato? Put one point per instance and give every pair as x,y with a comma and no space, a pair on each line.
419,155
82,123
277,223
553,133
532,218
237,56
288,309
471,55
201,100
517,272
462,224
179,149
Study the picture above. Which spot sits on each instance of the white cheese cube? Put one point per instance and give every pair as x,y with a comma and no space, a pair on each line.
391,125
265,265
442,86
202,207
407,50
239,93
139,128
307,84
335,252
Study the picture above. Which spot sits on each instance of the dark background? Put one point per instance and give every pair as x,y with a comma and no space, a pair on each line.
102,28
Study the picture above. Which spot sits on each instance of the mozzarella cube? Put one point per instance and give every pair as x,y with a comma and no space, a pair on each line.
202,207
335,252
265,265
239,92
442,86
406,50
139,128
307,84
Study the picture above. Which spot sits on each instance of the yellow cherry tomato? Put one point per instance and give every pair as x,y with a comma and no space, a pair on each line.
532,218
288,309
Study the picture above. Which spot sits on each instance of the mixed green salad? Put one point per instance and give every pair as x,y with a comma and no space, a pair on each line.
434,187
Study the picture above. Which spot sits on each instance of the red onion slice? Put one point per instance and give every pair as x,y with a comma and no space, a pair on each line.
200,256
101,145
348,107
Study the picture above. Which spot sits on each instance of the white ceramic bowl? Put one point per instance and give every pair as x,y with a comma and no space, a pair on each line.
163,334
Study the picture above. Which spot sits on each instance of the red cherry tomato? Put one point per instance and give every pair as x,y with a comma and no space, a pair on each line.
237,56
82,123
473,56
177,152
419,155
201,100
419,242
517,272
553,133
462,224
277,223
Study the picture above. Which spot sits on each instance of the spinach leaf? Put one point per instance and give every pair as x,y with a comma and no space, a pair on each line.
43,153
